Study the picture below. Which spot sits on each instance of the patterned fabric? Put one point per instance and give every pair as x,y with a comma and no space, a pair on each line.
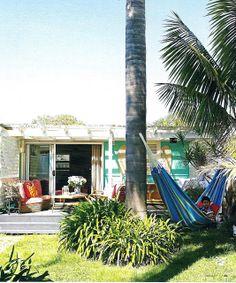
30,189
38,186
180,205
214,192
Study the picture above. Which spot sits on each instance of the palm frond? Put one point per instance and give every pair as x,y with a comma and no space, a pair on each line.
226,164
191,65
223,32
197,110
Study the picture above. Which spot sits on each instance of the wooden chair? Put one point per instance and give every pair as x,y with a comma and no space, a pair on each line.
121,193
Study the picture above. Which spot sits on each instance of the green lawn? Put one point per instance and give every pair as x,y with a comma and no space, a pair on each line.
205,256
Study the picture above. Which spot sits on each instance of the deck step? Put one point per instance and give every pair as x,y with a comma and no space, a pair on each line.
27,218
30,223
22,227
30,232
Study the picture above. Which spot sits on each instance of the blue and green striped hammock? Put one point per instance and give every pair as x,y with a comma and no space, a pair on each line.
180,206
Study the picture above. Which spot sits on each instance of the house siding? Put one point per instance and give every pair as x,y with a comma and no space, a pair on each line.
178,169
9,158
116,171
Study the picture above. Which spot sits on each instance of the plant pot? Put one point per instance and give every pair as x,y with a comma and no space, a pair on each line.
77,190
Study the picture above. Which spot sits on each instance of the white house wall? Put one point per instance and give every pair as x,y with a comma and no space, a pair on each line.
9,157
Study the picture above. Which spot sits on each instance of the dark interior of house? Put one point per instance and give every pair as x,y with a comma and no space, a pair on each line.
73,160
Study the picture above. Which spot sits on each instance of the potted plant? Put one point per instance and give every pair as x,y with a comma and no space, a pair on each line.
76,183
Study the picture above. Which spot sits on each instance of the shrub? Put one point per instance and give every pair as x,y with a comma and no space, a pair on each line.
193,188
139,242
106,230
17,269
81,230
194,193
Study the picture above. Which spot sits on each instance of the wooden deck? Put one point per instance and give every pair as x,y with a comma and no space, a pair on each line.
48,221
43,222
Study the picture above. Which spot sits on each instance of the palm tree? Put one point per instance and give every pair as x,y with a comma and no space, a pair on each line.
135,106
202,88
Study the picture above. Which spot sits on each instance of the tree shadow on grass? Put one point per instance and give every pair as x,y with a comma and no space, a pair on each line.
52,262
204,244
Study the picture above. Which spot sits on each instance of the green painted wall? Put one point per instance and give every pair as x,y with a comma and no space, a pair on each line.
178,169
116,174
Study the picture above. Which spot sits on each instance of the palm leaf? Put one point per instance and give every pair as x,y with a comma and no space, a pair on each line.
223,32
191,65
195,109
201,93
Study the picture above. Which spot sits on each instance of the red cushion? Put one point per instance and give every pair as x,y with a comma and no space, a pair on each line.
30,189
23,200
215,208
21,191
38,186
113,195
199,204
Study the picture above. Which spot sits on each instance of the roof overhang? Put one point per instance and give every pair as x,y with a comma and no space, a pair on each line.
84,133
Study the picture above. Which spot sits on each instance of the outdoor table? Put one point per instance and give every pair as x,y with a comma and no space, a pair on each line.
98,196
70,196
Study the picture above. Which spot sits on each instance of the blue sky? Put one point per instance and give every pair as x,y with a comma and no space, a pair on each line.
68,56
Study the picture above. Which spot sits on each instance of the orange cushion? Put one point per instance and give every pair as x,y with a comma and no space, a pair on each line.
38,186
30,189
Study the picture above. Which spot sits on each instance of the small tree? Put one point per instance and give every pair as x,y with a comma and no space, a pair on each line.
202,84
168,122
62,119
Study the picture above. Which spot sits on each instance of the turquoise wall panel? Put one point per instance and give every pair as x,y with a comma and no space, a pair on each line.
116,172
178,168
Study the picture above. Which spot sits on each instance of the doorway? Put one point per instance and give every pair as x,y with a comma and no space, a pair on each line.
39,158
73,160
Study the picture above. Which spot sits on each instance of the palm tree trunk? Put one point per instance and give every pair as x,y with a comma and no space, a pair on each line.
229,204
135,106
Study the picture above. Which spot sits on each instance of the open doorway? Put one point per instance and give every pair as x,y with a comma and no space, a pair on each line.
73,160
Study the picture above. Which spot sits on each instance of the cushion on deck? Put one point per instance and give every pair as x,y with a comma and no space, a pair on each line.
34,200
30,190
38,186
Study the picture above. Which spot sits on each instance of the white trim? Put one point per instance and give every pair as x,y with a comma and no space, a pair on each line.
102,165
27,162
110,155
61,142
52,167
86,133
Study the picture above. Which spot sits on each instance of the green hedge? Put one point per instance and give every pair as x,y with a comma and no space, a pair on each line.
106,230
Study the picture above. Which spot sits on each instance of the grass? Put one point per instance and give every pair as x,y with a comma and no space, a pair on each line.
208,255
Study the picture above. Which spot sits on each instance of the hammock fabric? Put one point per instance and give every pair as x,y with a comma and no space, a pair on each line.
181,207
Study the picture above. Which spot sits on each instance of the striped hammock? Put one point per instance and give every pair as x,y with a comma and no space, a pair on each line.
180,206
